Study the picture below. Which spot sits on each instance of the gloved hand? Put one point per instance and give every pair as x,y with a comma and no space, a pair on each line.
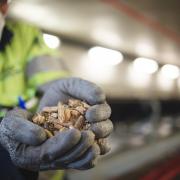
98,114
30,149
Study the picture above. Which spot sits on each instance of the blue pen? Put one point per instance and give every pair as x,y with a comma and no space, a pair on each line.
21,103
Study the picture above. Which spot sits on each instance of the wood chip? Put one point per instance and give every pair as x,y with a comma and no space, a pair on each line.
74,103
79,123
81,109
67,114
63,129
54,115
63,117
85,105
50,109
58,126
49,134
38,119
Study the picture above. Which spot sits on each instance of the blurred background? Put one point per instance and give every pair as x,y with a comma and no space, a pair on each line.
131,48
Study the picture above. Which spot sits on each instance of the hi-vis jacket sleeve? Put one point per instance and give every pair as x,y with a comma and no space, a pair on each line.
43,64
26,63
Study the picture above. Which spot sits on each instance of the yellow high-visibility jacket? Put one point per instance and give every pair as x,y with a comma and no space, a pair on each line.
25,63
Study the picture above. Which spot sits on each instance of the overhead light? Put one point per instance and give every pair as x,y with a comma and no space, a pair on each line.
163,83
51,41
136,79
145,65
94,72
103,56
170,71
145,47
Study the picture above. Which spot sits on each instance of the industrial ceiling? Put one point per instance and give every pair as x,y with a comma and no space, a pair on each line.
134,27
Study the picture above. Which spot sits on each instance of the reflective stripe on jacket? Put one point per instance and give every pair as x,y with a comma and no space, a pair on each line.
21,44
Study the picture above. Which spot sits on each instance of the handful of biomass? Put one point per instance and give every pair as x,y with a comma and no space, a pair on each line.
66,116
63,117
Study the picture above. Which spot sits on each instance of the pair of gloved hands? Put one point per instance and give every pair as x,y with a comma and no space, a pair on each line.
28,145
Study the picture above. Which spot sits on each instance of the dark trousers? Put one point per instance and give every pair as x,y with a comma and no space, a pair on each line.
10,172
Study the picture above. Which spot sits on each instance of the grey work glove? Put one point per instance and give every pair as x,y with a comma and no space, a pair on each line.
98,114
30,149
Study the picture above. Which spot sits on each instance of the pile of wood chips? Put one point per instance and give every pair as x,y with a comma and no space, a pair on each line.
62,117
66,116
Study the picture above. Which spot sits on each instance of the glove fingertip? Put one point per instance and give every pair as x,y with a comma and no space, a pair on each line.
34,136
102,129
31,134
89,134
98,113
104,146
74,134
39,137
18,112
88,160
97,96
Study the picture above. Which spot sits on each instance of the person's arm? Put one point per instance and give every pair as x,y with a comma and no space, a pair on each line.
44,65
28,145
